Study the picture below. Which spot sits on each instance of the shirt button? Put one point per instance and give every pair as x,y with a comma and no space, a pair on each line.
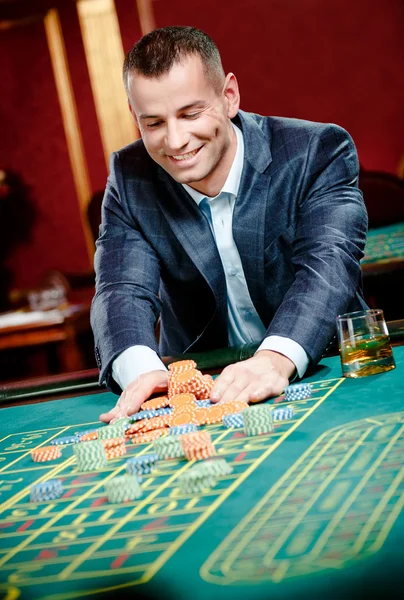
232,271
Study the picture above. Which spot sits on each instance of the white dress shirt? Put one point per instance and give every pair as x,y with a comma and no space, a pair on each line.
244,323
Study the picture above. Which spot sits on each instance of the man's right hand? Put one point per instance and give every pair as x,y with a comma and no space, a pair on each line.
135,394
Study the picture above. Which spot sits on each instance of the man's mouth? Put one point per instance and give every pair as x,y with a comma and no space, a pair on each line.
186,156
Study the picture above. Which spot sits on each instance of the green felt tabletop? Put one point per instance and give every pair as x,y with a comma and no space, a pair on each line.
312,510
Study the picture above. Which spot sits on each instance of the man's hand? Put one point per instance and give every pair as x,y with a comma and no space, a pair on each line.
264,375
135,394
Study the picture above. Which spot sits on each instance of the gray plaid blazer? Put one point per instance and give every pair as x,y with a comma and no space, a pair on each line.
299,224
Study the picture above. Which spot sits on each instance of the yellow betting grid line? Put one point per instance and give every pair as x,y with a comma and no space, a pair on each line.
79,425
174,547
259,523
65,511
194,526
252,526
31,449
322,539
237,482
82,557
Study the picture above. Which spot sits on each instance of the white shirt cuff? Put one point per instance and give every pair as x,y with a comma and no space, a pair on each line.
288,348
135,361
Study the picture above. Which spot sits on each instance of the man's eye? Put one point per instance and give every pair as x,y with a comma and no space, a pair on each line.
191,115
153,125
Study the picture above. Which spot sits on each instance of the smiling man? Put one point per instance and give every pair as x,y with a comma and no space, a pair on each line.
230,226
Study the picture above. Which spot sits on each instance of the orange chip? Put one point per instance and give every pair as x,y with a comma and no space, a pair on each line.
233,406
150,436
183,417
155,423
135,427
181,365
88,437
155,403
113,442
214,414
46,453
201,416
115,451
182,400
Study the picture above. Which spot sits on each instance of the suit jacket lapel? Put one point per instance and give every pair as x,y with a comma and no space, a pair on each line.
193,232
249,218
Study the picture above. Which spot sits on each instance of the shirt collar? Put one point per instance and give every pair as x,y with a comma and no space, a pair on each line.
232,183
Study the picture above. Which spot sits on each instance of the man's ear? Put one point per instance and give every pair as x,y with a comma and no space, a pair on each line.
232,95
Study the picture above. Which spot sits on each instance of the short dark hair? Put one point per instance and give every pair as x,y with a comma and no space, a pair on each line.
156,53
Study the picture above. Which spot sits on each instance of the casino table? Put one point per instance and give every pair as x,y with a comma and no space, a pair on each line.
384,249
311,510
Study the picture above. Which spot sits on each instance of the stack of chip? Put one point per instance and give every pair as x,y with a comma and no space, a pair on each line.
124,421
297,391
197,445
282,413
169,447
89,436
46,453
235,420
90,456
218,467
123,488
141,465
117,430
190,381
155,403
258,419
195,481
46,490
114,447
68,439
181,429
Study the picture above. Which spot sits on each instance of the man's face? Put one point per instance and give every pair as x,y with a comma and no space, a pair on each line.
184,123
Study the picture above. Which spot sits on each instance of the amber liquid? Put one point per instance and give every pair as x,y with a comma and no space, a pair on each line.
367,356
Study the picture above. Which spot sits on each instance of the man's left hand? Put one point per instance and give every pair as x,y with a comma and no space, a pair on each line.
263,376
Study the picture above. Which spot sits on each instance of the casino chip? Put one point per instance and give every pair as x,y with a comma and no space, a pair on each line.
298,391
283,413
123,488
90,456
235,420
46,490
68,439
258,419
46,453
141,465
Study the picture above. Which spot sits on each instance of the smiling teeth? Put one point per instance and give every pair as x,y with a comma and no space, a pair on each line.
185,156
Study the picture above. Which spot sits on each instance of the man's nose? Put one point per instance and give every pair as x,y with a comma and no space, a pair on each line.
176,136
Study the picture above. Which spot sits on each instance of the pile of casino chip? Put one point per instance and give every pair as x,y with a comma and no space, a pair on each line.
172,423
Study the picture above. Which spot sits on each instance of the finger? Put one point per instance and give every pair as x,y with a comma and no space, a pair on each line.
108,416
263,392
112,414
237,390
222,383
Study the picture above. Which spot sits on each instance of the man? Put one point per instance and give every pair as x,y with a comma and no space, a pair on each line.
231,226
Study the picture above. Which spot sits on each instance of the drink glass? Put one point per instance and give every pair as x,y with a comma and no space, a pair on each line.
364,343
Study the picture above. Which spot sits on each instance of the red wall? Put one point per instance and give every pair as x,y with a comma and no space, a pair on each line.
334,60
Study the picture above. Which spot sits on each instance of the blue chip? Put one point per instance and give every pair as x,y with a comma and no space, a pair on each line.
235,420
203,403
68,439
46,490
181,429
141,465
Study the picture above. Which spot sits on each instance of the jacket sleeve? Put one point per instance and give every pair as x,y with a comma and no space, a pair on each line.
328,245
126,305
